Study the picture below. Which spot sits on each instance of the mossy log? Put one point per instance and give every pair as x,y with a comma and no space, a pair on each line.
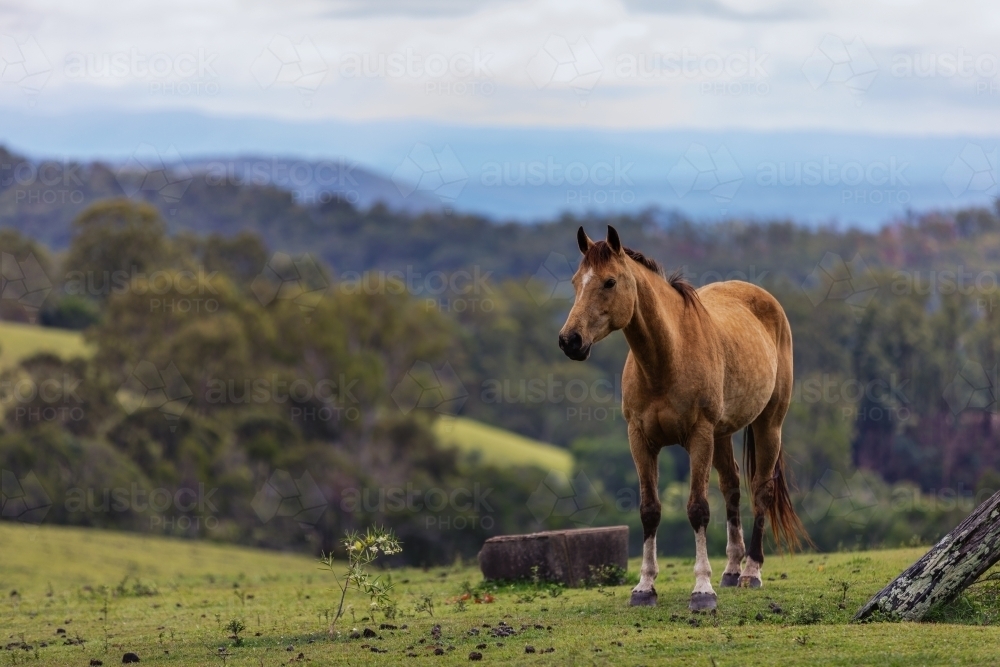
955,562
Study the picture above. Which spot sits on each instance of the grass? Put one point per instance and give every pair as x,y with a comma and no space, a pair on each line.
18,341
174,602
495,446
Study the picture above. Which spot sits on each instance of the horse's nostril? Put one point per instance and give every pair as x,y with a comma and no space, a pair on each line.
570,342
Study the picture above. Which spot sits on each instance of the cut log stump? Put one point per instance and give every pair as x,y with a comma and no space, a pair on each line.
570,557
955,562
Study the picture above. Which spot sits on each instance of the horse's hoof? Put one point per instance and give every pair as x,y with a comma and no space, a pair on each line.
643,598
750,582
730,579
702,602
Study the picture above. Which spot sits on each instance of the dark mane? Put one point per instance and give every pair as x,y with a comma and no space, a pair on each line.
601,253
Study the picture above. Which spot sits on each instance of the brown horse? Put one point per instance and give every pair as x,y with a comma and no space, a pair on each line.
702,365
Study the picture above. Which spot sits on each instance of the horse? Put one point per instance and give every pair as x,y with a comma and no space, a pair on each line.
702,365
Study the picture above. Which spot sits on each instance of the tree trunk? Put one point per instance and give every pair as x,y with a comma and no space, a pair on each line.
957,561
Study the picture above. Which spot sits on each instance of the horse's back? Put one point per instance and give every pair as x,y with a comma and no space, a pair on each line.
757,340
734,304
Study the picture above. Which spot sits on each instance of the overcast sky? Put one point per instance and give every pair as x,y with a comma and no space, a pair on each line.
885,67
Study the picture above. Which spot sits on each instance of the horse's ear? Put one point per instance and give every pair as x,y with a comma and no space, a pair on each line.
583,240
613,240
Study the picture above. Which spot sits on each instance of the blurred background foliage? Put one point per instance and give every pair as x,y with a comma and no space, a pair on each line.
891,434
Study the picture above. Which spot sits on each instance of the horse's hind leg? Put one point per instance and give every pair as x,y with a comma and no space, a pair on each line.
767,446
700,446
645,456
729,484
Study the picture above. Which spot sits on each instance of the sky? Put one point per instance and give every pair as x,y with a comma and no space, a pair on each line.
884,67
916,71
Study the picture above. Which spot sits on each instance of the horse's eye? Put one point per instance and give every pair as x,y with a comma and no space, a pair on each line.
609,283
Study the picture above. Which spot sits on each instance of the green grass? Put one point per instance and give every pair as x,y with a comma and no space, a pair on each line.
489,445
19,341
179,596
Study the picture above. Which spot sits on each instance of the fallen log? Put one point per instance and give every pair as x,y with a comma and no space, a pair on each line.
954,563
572,557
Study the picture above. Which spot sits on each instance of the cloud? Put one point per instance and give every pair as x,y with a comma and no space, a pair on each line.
714,9
508,35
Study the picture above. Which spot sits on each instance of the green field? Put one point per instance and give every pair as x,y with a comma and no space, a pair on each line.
168,601
18,341
489,445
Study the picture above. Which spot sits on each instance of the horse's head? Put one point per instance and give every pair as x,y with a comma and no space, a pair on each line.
605,295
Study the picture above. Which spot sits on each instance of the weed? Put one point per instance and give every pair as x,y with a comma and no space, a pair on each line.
362,550
235,627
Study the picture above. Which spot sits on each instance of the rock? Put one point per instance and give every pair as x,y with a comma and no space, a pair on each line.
368,632
565,556
529,649
129,657
475,655
94,662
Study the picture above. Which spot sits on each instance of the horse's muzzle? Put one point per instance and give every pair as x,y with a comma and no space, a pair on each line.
572,345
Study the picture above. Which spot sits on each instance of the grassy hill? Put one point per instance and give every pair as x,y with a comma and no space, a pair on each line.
494,446
18,341
169,601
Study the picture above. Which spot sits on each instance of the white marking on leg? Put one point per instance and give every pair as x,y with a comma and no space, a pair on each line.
586,278
735,549
752,569
649,569
702,568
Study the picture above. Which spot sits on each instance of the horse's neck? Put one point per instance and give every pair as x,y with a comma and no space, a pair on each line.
652,333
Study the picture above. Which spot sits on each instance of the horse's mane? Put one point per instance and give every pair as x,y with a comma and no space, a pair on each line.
601,253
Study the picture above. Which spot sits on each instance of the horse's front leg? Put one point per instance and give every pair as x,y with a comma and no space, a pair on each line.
701,444
645,456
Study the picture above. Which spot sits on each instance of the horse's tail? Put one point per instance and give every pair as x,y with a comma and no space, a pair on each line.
785,523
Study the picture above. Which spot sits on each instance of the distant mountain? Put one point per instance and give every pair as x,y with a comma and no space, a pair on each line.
313,182
531,173
41,197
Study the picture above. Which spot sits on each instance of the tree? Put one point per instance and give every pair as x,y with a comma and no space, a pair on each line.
114,241
957,561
